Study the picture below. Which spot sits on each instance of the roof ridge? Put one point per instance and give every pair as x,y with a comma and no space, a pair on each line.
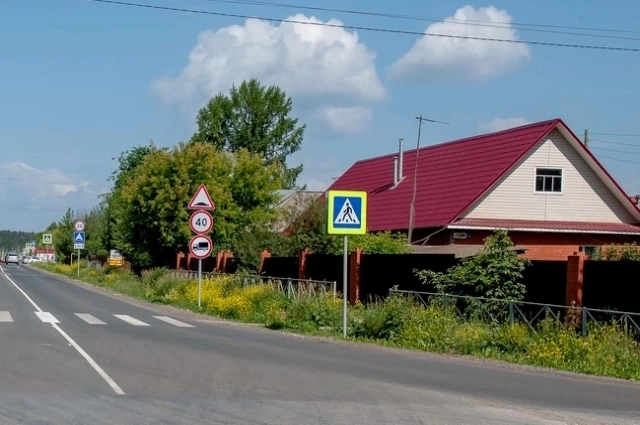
506,131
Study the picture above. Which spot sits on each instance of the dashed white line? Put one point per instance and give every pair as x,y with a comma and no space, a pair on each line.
115,387
131,320
46,317
90,319
5,316
173,322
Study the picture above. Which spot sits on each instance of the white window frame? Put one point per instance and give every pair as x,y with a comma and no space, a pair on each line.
548,167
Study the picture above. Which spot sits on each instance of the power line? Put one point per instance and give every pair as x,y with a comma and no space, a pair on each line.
490,24
362,28
618,159
615,143
617,134
617,150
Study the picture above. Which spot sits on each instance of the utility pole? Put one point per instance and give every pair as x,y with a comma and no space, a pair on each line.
412,207
586,138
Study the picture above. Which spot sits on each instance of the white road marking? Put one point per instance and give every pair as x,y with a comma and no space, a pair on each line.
74,344
5,316
131,320
90,319
46,317
173,322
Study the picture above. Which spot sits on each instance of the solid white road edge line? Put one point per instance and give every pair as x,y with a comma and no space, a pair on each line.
115,387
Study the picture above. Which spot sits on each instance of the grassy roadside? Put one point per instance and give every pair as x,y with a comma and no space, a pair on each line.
398,322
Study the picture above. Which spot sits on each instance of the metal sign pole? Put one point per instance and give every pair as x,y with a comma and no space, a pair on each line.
78,263
344,289
199,281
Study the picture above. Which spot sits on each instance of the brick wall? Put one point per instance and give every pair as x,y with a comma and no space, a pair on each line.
540,246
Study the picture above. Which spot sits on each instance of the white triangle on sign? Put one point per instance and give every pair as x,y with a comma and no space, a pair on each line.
346,215
79,237
201,200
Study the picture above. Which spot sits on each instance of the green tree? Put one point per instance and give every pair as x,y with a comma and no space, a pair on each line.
111,204
307,228
625,252
255,118
496,272
62,236
153,219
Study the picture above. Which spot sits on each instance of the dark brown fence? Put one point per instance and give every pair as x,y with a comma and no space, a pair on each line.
611,285
546,282
380,272
280,267
325,267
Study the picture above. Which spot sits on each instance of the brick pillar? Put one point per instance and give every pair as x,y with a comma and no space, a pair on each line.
263,257
225,257
188,261
354,276
179,257
302,264
575,275
219,259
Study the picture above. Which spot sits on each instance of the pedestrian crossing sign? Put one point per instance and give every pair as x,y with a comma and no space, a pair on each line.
347,212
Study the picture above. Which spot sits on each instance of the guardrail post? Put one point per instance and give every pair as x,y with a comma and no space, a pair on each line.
512,318
584,321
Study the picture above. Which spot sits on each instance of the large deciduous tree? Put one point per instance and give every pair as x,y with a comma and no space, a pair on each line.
255,118
152,213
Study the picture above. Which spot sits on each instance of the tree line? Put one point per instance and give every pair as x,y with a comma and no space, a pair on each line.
239,151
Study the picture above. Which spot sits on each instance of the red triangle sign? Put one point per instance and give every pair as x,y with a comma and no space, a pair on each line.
201,200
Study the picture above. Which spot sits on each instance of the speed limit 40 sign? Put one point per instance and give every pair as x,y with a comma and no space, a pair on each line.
201,222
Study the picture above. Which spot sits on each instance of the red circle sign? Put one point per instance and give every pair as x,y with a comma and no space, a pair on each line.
201,247
201,222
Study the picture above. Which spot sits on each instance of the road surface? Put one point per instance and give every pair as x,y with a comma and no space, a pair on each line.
74,354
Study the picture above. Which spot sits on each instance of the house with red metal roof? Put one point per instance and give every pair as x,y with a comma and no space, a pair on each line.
538,181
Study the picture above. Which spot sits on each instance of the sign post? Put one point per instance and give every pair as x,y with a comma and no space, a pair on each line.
201,223
346,215
78,239
47,240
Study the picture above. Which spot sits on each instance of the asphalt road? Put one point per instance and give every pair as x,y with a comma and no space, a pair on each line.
73,354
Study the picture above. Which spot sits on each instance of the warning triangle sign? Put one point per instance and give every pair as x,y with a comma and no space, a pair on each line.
79,237
346,215
201,200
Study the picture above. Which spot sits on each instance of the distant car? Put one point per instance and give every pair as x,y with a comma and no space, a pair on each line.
12,257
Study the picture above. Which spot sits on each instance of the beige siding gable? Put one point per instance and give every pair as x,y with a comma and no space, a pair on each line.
584,198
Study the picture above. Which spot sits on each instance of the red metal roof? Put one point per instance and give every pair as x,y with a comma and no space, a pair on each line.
546,226
450,177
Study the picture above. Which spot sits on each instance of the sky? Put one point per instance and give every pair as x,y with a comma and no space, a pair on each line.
83,80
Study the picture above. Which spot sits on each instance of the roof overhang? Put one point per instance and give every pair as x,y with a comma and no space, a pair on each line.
539,229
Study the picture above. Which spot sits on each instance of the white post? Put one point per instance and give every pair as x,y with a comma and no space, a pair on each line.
199,281
78,263
344,288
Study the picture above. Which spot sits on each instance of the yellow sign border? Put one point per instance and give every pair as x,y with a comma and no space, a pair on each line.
331,195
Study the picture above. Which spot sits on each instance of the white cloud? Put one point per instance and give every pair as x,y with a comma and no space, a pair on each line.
499,124
351,121
315,65
460,58
33,185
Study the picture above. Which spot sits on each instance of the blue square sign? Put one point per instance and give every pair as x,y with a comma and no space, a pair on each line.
78,237
347,213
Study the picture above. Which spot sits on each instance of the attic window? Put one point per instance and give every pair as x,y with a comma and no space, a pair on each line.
549,180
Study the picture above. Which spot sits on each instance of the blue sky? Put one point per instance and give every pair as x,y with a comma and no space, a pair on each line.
81,81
